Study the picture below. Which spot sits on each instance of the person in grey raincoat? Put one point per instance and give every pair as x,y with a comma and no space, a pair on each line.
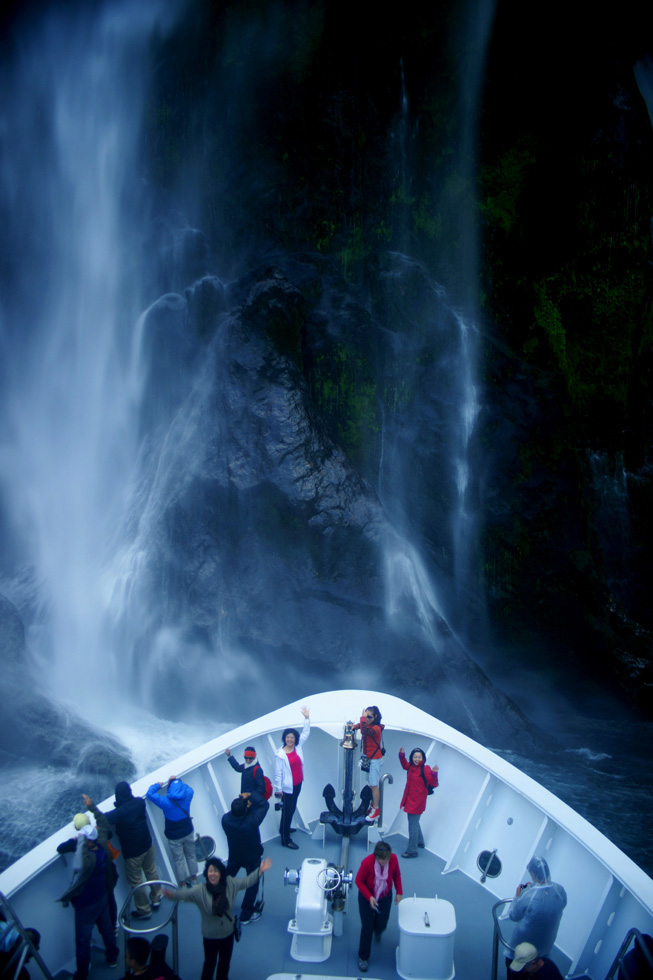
537,908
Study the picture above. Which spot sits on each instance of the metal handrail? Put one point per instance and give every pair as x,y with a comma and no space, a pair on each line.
625,948
385,778
27,943
497,937
171,918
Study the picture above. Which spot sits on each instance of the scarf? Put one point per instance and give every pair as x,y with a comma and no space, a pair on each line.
380,879
218,893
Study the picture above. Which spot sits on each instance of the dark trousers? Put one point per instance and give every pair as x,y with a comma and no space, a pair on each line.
217,951
372,922
86,917
288,807
249,901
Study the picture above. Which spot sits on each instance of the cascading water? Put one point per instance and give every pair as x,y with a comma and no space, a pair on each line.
440,362
74,205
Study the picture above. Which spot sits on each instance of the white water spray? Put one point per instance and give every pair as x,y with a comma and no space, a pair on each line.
71,142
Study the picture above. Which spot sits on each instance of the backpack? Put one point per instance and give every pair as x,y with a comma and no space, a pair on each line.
267,792
429,789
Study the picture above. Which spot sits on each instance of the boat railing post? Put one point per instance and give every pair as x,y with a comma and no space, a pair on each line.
497,937
385,778
175,941
27,944
624,949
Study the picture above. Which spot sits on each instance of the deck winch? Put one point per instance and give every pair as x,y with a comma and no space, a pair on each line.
312,927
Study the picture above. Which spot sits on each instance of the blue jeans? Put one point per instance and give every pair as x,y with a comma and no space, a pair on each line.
86,917
415,836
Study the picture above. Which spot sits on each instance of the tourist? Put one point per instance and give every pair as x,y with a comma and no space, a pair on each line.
129,817
179,830
528,960
377,874
537,908
252,780
289,775
373,751
241,825
93,877
215,900
419,779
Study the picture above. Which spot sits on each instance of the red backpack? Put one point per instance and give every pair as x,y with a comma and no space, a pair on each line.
267,792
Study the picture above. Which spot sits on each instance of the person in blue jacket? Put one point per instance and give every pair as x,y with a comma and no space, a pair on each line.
178,826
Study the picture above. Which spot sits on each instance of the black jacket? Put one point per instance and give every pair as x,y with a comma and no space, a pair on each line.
129,817
252,779
243,835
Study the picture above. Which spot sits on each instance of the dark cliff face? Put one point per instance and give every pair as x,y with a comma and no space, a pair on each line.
342,168
267,551
566,203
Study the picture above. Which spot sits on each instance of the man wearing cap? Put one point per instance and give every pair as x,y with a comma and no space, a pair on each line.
527,960
241,825
93,876
252,779
129,817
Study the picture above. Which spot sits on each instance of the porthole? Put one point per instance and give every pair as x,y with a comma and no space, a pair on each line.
489,864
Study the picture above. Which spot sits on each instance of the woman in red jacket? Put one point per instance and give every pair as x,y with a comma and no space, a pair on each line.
375,878
413,802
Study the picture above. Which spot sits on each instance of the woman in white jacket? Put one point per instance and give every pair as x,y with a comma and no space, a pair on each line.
289,775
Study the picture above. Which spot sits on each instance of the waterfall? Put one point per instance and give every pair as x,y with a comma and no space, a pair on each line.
73,198
612,519
438,354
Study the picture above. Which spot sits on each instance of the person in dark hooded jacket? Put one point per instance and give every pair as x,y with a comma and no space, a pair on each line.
93,877
129,817
242,828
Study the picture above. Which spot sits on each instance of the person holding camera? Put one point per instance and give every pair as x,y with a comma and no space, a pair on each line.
537,908
289,775
241,826
371,731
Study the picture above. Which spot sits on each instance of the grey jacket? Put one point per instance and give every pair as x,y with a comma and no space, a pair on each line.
216,926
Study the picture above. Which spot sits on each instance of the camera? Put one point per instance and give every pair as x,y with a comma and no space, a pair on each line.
278,805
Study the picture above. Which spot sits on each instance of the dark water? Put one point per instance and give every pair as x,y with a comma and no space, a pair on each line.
606,774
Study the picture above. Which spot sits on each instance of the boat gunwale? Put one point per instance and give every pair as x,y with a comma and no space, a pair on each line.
615,861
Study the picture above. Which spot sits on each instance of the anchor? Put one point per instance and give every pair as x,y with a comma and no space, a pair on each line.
346,822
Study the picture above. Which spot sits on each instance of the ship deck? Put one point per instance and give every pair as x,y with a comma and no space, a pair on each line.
265,948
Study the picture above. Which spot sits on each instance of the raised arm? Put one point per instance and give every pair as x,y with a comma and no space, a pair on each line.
153,794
